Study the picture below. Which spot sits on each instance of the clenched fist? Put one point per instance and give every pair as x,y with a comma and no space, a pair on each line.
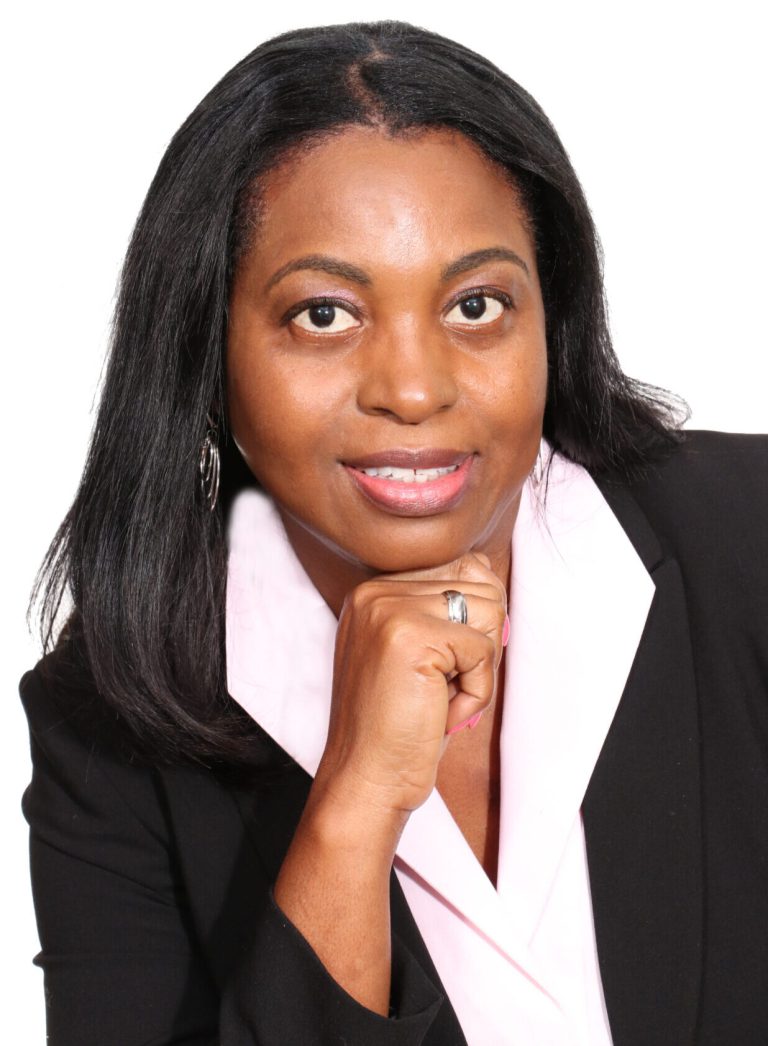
405,676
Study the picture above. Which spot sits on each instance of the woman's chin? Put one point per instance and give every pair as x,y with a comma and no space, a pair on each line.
405,560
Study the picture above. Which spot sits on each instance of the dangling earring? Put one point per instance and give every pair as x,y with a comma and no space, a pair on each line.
537,472
210,464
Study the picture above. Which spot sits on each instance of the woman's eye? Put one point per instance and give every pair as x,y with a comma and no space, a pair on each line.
326,318
477,310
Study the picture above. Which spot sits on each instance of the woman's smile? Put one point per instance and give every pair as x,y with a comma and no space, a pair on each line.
387,360
407,490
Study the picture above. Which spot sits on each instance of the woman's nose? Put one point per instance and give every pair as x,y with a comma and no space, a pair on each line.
407,376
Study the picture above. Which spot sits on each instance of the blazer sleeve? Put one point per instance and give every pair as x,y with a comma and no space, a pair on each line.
122,962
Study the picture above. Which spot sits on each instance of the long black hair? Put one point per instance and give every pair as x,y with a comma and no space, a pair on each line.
139,551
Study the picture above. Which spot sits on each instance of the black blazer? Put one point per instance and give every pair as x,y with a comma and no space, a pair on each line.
152,886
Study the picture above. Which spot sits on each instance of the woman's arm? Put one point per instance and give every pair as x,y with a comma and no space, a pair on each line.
136,952
119,958
334,886
403,676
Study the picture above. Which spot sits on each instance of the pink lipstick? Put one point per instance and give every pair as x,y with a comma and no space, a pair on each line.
412,483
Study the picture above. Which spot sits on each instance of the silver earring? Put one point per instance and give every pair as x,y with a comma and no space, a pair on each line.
209,464
537,472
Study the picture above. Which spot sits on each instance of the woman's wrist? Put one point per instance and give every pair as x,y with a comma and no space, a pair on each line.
358,821
334,887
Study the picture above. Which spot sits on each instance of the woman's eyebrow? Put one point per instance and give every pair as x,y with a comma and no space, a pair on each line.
321,263
475,258
337,267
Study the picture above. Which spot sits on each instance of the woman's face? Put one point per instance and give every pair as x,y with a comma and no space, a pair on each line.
389,317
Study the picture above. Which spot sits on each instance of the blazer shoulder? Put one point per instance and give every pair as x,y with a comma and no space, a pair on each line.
81,758
712,487
706,455
707,505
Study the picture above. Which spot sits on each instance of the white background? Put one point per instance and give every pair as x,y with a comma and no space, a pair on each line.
661,106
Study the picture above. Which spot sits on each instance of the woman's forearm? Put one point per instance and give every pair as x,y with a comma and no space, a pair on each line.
334,887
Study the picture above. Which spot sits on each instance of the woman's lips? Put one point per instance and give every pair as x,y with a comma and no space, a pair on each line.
418,497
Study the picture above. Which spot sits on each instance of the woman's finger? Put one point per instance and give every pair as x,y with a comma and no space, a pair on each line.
410,590
469,660
469,570
485,612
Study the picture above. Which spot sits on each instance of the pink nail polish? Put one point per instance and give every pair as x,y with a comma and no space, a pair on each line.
471,723
505,631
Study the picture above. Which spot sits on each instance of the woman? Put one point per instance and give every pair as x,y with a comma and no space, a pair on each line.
457,737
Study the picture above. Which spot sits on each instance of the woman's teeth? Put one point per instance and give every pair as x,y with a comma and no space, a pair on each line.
409,475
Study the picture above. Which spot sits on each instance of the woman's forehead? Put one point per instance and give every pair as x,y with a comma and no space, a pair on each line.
365,191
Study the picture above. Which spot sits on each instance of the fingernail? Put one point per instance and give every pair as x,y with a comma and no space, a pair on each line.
505,631
471,723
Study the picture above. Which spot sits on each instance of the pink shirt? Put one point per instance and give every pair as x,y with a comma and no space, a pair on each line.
518,961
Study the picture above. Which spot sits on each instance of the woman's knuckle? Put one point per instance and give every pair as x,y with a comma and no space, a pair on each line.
394,629
489,650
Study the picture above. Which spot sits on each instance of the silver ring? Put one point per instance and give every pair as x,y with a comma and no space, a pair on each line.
457,606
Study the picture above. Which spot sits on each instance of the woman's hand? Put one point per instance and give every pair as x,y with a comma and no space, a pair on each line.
405,677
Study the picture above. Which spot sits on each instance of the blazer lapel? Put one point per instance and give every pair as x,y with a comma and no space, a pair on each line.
641,809
642,821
